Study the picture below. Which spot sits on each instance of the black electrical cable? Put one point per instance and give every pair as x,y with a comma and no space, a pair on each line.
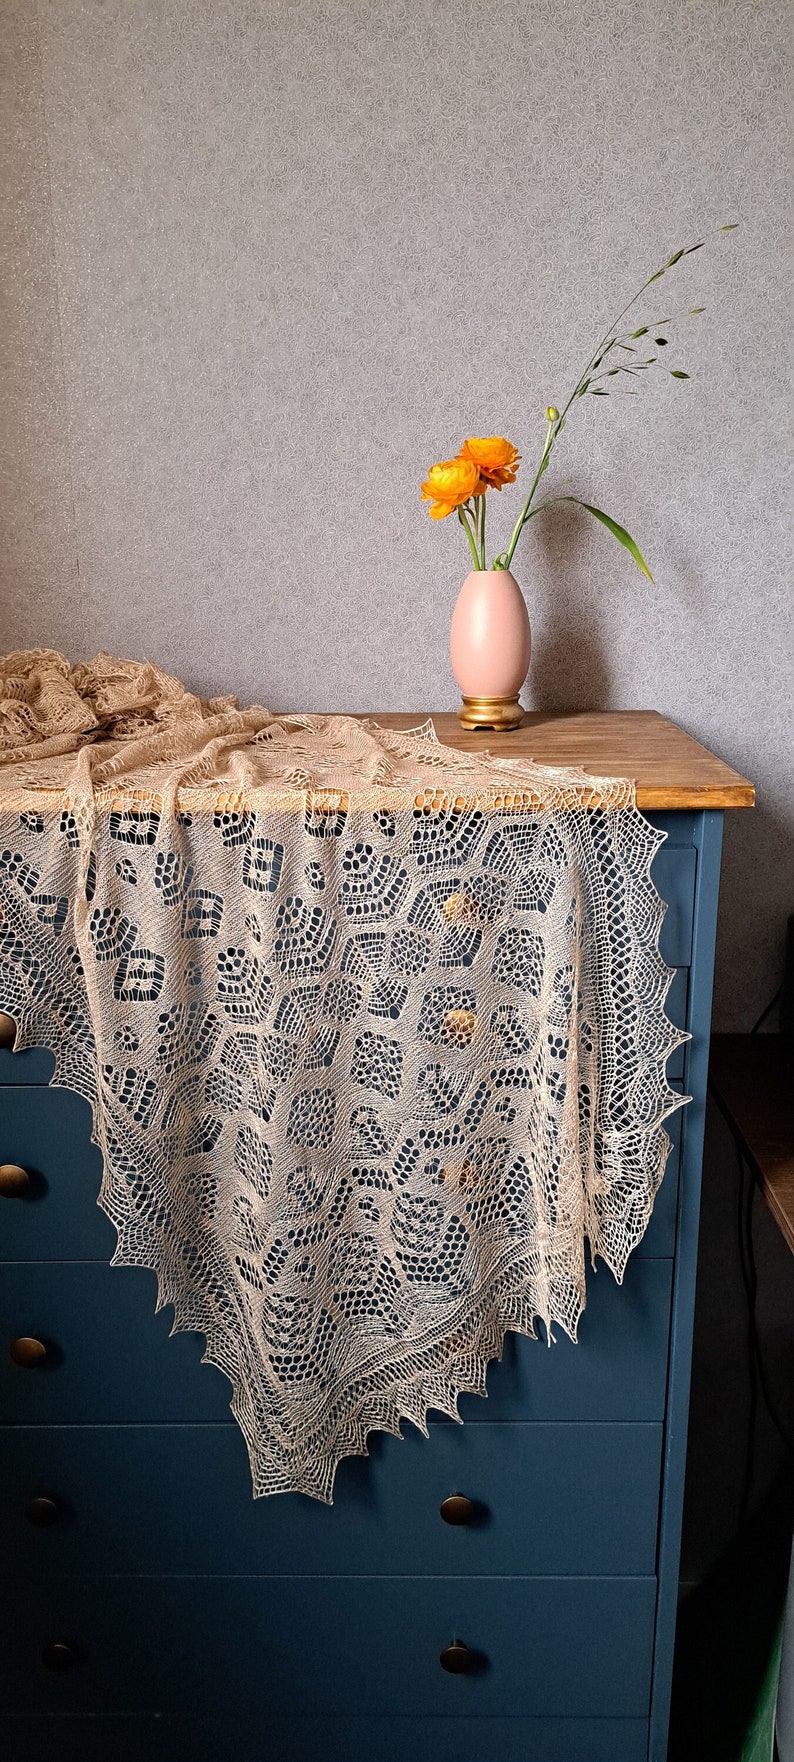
768,1011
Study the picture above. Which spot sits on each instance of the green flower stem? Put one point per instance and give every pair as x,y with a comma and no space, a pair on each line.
619,532
524,515
555,428
611,339
470,536
607,334
482,501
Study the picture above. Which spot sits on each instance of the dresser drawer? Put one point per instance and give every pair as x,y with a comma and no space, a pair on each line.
260,1737
676,1006
47,1132
110,1359
34,1066
616,1371
277,1646
673,872
659,1238
548,1500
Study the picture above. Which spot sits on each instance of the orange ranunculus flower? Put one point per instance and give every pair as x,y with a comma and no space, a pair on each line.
450,484
496,459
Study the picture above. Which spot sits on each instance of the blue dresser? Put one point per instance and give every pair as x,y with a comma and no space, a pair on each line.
156,1613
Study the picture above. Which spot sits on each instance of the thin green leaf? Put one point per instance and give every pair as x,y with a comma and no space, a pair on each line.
731,226
619,532
643,331
675,258
676,373
583,388
628,348
698,247
597,391
695,311
613,371
660,273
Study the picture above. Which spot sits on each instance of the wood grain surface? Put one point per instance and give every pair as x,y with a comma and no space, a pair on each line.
669,768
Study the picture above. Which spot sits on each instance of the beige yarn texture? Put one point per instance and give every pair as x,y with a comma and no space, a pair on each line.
373,1032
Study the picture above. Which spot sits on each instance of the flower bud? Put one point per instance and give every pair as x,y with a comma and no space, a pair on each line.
552,413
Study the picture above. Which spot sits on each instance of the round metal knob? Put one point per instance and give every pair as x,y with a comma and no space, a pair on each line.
458,1659
59,1655
8,1030
14,1181
41,1512
27,1351
458,1509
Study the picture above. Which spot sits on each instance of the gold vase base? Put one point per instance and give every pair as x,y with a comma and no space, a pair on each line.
499,713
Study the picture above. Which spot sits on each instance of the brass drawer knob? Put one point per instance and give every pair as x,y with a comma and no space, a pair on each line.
458,1509
458,1659
59,1655
14,1181
41,1512
8,1030
27,1351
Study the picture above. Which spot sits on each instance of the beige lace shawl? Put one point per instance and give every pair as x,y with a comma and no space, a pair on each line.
373,1032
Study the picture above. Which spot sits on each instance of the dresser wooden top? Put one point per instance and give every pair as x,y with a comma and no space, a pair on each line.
669,768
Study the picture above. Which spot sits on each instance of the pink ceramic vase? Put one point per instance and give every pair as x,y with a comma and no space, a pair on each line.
490,644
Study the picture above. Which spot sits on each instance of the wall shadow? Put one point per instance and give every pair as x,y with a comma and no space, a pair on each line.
756,900
570,667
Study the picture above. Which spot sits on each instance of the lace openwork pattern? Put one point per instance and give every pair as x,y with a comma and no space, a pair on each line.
373,1032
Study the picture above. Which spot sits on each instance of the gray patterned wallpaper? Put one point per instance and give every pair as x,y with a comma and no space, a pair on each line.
271,258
